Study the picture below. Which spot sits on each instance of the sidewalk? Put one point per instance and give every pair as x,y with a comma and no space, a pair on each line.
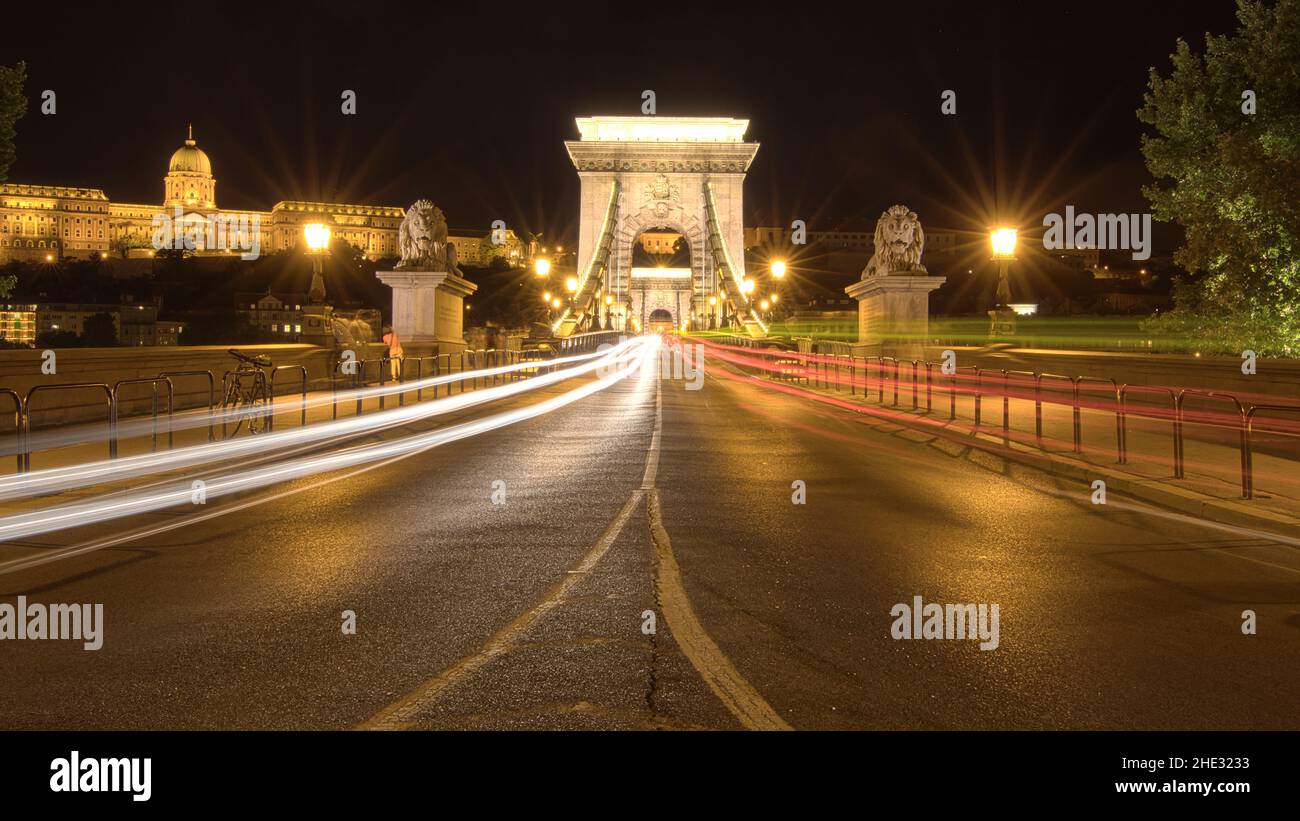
1211,485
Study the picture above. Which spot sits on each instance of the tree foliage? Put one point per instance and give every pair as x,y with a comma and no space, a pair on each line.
99,330
13,105
1231,178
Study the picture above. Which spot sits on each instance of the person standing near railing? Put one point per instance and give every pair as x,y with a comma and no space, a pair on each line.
394,352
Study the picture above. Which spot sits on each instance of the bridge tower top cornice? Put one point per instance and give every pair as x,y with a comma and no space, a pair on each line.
662,145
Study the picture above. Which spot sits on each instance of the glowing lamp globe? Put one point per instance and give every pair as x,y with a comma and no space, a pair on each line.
1004,243
317,237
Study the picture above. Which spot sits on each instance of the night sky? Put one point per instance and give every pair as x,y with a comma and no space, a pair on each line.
470,106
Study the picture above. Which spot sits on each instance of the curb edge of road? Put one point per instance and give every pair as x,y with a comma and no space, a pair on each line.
1183,500
1189,502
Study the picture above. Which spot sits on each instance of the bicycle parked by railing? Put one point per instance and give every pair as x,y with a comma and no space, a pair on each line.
247,393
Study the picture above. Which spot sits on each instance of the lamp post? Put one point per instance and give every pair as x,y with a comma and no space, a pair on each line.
1002,319
778,277
1003,241
317,323
317,237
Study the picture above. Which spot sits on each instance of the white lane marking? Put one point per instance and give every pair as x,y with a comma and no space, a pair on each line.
722,677
403,713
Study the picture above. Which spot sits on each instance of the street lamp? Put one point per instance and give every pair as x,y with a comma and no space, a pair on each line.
778,269
747,286
317,237
571,284
542,266
1002,318
1003,241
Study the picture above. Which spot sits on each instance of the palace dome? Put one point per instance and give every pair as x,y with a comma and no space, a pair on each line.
191,158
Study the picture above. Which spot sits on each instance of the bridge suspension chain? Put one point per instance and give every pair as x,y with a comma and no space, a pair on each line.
730,276
592,275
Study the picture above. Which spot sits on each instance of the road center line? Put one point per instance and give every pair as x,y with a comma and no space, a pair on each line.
404,712
722,677
726,682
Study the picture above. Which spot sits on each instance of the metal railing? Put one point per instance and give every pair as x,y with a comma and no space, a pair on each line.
1177,438
952,392
1241,432
1038,407
440,364
24,435
212,393
1078,421
1248,462
276,371
153,382
816,367
18,425
588,342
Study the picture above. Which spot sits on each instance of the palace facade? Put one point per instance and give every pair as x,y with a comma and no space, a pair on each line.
51,223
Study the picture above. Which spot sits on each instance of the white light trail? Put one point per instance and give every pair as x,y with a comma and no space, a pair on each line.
116,506
198,418
128,467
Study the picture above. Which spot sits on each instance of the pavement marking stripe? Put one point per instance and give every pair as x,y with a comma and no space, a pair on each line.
726,682
403,713
652,455
710,662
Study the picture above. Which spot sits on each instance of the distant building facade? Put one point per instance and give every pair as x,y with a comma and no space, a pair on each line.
659,242
939,242
273,313
134,324
18,324
50,223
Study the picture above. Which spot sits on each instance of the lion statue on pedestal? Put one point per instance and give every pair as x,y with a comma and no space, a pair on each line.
899,241
422,240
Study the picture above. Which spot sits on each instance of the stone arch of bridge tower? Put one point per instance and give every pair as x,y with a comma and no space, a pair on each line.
691,226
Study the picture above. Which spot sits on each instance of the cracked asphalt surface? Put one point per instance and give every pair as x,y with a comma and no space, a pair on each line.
1110,617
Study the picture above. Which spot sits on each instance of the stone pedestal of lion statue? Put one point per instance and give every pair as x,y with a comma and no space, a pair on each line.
428,289
894,292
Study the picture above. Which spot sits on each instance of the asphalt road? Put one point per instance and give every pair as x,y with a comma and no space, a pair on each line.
534,613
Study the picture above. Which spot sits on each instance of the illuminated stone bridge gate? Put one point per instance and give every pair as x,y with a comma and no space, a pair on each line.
684,174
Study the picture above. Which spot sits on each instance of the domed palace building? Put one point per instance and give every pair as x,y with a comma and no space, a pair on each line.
51,223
